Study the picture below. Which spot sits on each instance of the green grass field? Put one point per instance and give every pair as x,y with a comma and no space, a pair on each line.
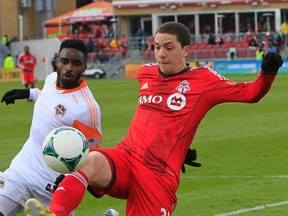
243,149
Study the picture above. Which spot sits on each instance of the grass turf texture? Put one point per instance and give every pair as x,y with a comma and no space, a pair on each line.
243,149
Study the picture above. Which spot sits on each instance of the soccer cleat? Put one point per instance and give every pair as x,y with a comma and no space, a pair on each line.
111,212
34,207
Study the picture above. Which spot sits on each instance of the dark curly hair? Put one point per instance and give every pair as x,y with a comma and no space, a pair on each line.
76,44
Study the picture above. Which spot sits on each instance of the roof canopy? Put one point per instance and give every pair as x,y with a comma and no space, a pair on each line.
95,11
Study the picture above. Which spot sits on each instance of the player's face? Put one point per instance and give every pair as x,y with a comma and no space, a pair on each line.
26,50
169,53
70,66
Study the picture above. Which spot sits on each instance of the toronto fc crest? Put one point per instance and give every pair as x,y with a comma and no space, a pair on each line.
183,87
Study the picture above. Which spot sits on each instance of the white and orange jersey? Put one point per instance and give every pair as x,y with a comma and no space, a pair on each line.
55,107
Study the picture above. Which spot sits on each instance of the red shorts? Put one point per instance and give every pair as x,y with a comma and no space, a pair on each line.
28,77
146,192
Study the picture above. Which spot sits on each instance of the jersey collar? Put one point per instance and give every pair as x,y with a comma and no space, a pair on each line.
82,85
171,75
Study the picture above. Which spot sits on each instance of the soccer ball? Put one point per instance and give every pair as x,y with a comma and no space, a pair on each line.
65,149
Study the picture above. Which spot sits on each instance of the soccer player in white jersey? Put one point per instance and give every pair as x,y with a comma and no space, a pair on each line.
64,100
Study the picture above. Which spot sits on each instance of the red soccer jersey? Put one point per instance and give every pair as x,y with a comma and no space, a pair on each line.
170,109
27,62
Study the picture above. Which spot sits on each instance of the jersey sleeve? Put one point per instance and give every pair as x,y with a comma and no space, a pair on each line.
222,89
34,93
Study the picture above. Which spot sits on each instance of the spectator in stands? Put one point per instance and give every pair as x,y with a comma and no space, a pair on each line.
284,31
232,53
91,45
102,43
98,31
122,50
115,43
276,45
111,33
253,42
80,32
140,36
260,53
219,40
270,47
124,41
149,44
277,41
92,32
123,45
104,29
5,40
76,33
247,37
211,39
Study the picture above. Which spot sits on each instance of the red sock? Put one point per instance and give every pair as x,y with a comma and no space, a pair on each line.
69,194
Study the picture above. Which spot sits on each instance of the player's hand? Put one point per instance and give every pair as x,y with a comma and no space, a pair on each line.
190,158
271,63
10,96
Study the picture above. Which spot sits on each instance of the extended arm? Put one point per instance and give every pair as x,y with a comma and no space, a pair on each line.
15,94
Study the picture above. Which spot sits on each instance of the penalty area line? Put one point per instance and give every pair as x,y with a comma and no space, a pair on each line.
256,208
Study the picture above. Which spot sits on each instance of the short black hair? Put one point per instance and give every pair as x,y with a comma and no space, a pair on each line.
181,32
76,44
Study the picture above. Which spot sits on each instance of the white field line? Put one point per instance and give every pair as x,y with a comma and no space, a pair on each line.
240,211
236,177
256,208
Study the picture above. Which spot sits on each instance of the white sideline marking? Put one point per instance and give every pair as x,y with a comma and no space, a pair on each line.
240,211
236,177
256,208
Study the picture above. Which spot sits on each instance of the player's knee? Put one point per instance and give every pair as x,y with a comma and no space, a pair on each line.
98,170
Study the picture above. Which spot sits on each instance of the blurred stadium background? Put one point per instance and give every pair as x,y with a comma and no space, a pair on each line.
243,148
124,30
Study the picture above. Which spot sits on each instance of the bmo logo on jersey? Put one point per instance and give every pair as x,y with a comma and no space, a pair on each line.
149,99
176,101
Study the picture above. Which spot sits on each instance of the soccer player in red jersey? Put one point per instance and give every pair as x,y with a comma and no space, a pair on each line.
144,168
27,62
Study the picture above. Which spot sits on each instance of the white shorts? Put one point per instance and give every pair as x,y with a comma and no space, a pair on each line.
14,194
